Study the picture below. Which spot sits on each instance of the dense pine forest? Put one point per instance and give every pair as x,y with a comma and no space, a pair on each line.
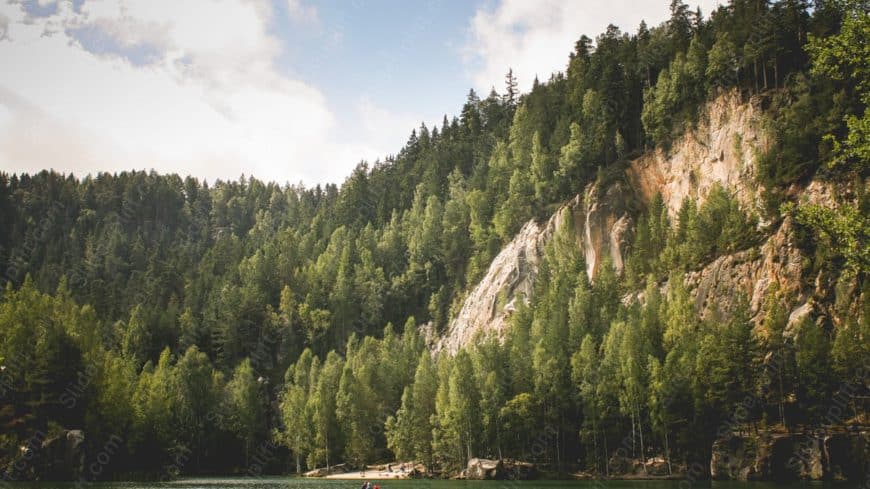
251,327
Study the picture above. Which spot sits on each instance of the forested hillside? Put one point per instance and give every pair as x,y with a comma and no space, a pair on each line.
246,326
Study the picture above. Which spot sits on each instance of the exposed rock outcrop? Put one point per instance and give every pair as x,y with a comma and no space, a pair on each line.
63,457
751,272
606,224
634,468
484,469
603,225
783,457
721,150
56,458
510,278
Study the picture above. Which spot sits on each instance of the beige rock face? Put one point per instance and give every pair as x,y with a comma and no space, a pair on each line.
716,286
607,224
720,151
509,279
602,224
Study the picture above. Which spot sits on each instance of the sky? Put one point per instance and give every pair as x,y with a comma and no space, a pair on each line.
283,90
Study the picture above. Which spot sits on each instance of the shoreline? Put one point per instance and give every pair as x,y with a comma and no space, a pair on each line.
369,474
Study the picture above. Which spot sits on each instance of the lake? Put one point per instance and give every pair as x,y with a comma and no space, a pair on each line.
296,483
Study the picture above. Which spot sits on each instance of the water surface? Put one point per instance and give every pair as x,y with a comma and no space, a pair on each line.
297,483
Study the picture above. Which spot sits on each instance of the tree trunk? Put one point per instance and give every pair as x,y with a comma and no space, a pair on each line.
755,69
642,448
781,398
524,443
498,439
595,443
558,458
668,451
775,72
467,445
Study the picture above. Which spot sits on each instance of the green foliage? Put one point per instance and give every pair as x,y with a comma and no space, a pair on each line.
844,57
813,361
850,348
672,104
846,229
164,288
517,209
323,411
719,227
409,432
723,60
801,114
297,424
245,405
728,355
779,364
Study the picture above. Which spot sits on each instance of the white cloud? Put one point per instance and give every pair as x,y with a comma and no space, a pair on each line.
535,38
4,26
303,14
31,140
209,102
381,128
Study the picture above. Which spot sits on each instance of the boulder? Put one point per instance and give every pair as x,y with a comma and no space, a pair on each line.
485,469
734,458
657,467
63,457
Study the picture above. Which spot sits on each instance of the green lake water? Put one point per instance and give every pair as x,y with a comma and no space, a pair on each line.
295,483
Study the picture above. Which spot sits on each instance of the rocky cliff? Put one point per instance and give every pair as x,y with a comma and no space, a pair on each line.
509,279
603,225
720,150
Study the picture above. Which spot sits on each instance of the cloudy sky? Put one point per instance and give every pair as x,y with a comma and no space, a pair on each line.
284,90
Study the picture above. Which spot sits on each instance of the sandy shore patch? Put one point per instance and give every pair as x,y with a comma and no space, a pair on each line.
370,474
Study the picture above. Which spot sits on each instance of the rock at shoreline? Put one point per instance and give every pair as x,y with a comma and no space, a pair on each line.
784,457
63,457
485,469
657,467
59,458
